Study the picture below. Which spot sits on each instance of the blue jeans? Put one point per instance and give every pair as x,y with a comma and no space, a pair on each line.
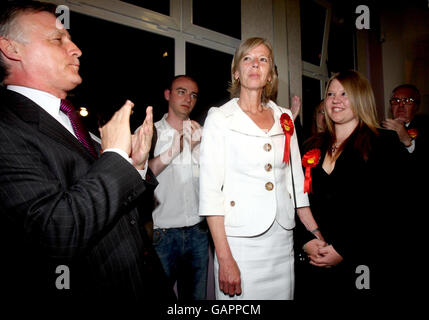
184,256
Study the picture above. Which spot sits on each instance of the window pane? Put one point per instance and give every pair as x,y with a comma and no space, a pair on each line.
313,18
115,68
161,6
310,100
212,70
341,45
223,16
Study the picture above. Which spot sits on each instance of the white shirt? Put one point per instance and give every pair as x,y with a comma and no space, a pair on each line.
51,104
178,188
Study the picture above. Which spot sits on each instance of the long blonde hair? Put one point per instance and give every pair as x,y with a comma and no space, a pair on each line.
362,102
360,95
270,89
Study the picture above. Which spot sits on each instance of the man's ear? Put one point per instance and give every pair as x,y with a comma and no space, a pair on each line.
9,49
167,94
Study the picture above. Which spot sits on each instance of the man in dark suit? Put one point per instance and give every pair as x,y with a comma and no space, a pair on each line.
70,230
412,129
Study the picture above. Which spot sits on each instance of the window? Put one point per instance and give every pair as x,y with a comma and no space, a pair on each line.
151,40
115,68
313,17
222,16
311,94
212,70
315,24
161,6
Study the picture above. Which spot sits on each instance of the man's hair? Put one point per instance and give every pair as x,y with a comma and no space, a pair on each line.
170,86
9,12
416,94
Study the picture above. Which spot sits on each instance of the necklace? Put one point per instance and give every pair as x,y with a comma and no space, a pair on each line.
335,147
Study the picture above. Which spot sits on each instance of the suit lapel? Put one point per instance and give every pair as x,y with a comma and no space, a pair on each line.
30,112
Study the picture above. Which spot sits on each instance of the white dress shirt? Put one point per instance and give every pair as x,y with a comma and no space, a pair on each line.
51,104
178,188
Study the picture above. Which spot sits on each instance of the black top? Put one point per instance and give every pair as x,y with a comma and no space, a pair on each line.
356,209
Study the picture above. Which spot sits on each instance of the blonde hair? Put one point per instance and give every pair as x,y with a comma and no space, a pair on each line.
362,102
270,89
361,97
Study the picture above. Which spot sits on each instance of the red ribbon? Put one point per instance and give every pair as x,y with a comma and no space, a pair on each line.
310,160
413,133
287,125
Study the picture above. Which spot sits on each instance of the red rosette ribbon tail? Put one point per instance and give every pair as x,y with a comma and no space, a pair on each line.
310,160
287,126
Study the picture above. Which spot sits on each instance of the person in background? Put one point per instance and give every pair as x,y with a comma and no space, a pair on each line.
319,123
180,235
246,189
354,180
70,228
412,129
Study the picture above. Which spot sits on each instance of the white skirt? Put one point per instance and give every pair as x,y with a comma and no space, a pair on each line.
266,264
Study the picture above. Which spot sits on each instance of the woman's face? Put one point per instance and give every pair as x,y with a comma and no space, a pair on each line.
337,105
254,68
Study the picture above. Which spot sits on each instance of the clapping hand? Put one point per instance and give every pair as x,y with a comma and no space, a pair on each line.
398,125
116,134
142,140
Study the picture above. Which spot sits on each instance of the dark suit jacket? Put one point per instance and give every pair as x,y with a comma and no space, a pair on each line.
60,206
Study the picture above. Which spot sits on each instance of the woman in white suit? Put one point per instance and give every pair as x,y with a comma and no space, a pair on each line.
245,186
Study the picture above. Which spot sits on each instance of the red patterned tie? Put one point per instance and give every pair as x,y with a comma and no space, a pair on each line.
79,129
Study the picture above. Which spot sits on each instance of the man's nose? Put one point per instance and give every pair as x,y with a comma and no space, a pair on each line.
74,49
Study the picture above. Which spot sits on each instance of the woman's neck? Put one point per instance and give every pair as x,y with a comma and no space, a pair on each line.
250,101
343,131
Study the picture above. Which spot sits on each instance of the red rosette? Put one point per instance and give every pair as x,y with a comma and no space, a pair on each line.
413,133
287,125
310,160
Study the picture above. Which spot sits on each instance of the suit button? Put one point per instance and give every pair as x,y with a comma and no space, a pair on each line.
267,147
232,203
269,186
268,167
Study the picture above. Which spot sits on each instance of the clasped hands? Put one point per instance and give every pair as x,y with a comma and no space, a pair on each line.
322,254
117,134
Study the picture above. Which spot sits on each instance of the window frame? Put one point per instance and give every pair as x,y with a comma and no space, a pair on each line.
177,26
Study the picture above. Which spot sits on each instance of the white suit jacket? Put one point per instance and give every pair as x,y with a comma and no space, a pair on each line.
242,174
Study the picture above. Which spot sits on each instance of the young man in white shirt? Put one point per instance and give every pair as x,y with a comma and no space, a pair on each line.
180,234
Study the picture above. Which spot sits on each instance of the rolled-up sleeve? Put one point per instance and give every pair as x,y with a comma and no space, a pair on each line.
212,165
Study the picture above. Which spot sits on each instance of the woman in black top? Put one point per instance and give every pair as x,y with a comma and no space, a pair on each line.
354,186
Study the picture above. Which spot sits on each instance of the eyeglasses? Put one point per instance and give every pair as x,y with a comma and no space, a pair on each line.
406,101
